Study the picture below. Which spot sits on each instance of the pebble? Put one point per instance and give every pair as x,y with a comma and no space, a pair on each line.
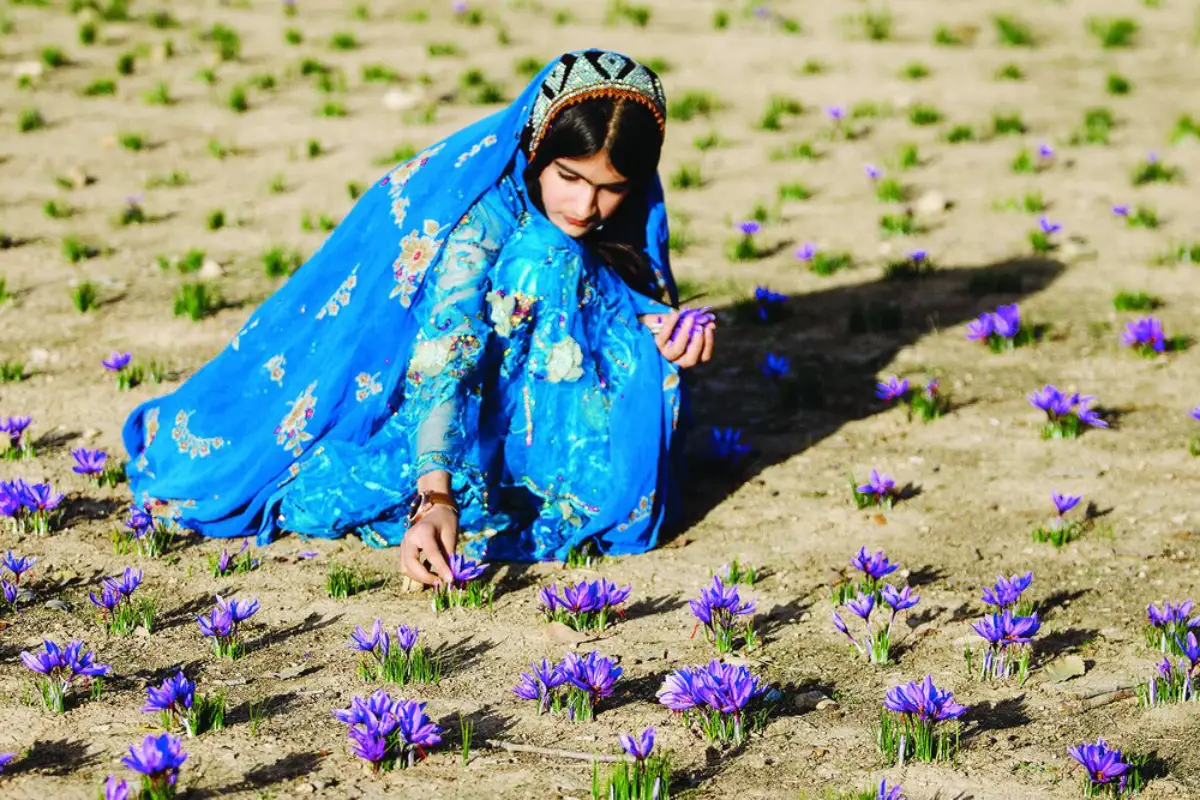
400,100
930,204
211,269
56,605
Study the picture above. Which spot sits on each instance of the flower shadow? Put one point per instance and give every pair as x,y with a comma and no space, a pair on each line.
1053,645
313,622
632,690
650,606
487,724
186,614
56,757
1057,600
997,715
779,617
463,655
286,768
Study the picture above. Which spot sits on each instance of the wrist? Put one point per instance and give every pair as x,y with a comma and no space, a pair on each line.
435,481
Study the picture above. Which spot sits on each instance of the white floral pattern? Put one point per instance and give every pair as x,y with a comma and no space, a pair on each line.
486,141
430,357
290,433
194,446
274,368
564,361
340,298
368,386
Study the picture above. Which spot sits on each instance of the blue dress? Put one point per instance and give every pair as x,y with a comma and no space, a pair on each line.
445,324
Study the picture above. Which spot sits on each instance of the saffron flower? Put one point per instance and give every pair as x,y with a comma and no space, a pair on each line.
879,490
593,676
836,113
1170,625
221,625
228,563
638,748
1047,226
60,667
806,251
1005,632
877,649
1039,238
725,446
539,684
89,462
914,727
5,758
749,227
1060,530
770,305
29,506
175,703
389,732
1171,683
1146,336
465,589
892,389
585,605
117,361
17,565
18,442
1006,592
1106,768
721,695
158,759
718,609
1064,502
886,793
873,567
775,366
1045,151
396,658
115,789
1066,414
873,172
999,330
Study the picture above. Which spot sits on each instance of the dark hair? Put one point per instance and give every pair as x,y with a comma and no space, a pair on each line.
630,134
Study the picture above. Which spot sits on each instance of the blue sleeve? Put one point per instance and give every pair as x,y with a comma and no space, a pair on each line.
441,394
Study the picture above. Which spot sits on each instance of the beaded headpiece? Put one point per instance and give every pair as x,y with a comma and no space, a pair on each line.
586,74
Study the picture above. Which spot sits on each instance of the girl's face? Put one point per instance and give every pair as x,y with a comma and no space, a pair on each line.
580,193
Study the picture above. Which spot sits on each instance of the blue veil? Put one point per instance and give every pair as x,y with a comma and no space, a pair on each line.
235,443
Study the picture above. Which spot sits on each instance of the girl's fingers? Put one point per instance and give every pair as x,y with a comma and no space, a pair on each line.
677,343
410,562
709,338
664,333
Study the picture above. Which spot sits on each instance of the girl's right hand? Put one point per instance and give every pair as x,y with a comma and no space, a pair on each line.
432,538
678,339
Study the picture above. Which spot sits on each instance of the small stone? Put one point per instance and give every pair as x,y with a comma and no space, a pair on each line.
56,605
930,204
400,100
28,69
827,703
90,433
304,787
211,269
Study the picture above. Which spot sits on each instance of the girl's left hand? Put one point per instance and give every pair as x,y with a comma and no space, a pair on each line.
685,339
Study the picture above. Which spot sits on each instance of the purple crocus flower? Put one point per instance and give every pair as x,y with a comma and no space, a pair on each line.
140,521
239,610
679,691
10,592
873,566
548,597
15,427
918,256
89,462
878,484
116,789
44,662
991,627
81,663
125,585
537,684
1195,413
1007,320
1102,764
463,570
775,366
415,727
749,227
41,497
1088,415
836,113
767,302
872,172
368,712
862,605
727,688
725,445
367,642
5,758
900,600
1145,334
1064,502
1007,591
1121,210
1045,151
581,597
158,759
1172,614
592,673
806,251
892,389
1047,226
109,599
612,594
369,746
639,749
218,624
17,565
1019,630
173,698
924,701
117,361
406,637
980,330
884,793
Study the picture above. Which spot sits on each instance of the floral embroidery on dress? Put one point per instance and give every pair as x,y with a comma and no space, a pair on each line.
640,512
340,298
189,442
417,251
290,433
400,210
368,386
564,361
399,177
508,311
274,367
671,381
487,141
168,512
237,337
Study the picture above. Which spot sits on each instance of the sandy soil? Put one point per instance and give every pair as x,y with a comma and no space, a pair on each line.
983,473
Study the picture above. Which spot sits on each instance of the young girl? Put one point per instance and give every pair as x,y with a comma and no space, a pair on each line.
486,346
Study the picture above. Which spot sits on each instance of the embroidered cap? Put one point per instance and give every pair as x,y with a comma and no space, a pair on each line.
584,74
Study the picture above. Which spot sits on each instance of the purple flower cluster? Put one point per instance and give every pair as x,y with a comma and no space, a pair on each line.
638,748
29,505
1145,335
923,703
1172,682
227,563
18,566
575,684
892,389
221,625
998,329
879,490
1001,629
878,639
725,446
719,693
769,304
873,567
173,701
463,571
1006,592
1106,768
61,666
116,596
158,759
718,609
379,642
1170,625
1066,412
889,793
117,361
90,463
15,428
387,732
585,605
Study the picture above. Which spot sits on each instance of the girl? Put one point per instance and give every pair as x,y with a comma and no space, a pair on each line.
486,346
